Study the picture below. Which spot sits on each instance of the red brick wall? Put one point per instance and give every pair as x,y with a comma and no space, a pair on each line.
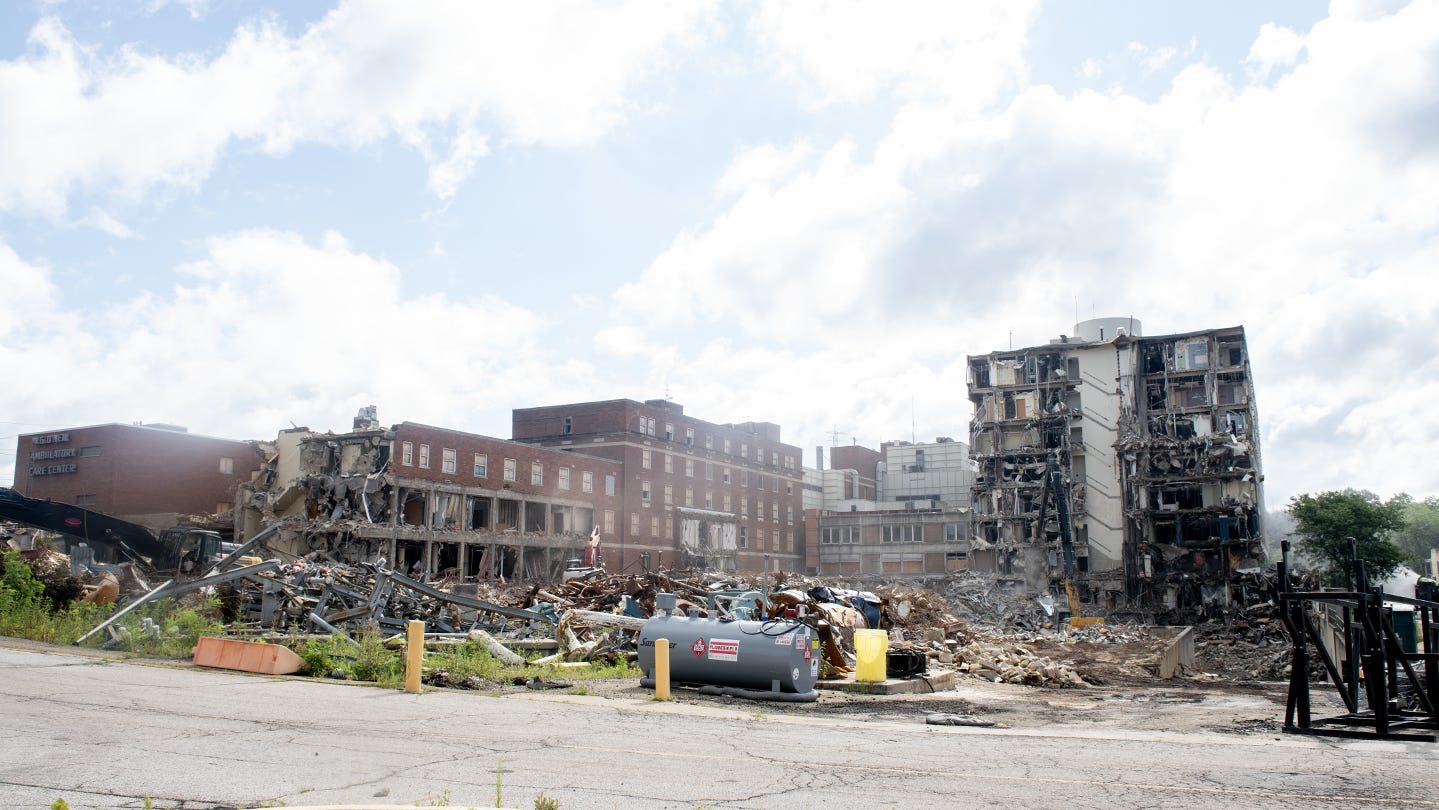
139,470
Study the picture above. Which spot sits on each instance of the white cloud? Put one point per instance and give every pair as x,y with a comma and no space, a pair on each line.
1152,58
445,81
1276,46
103,222
1302,210
265,329
848,51
1091,69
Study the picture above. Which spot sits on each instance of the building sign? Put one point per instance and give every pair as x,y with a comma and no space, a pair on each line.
53,469
51,438
67,452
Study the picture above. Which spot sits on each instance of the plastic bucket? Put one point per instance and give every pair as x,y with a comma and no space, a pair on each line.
870,649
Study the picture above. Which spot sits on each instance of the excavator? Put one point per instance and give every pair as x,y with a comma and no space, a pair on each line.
180,550
1053,483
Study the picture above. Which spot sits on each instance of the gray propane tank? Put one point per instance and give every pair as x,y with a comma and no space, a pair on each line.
779,655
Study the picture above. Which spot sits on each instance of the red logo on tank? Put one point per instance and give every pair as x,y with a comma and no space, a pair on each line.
698,648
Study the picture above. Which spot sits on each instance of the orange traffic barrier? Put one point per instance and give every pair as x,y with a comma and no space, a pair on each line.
246,656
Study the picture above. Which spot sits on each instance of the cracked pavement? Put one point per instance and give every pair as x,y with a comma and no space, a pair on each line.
106,733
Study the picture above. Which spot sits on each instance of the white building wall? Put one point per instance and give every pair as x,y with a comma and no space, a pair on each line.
946,471
1097,432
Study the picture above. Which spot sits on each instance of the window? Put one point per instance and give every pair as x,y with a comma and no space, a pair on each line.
759,510
482,465
743,450
448,460
789,487
92,450
774,510
407,454
510,469
709,471
759,538
726,446
789,514
84,500
725,501
669,494
773,458
775,483
690,436
227,466
839,534
953,532
709,499
908,533
645,492
645,459
709,442
564,481
566,425
650,426
634,524
609,521
669,432
610,484
744,478
587,481
424,456
743,538
744,507
690,467
654,525
689,496
724,474
669,464
537,473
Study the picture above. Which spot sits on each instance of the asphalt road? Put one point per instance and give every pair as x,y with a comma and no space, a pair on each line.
104,733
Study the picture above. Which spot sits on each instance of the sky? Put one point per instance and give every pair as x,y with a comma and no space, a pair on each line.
240,217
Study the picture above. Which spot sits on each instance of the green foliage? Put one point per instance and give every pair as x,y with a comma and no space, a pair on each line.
365,659
1420,533
171,631
26,613
543,802
59,804
1325,522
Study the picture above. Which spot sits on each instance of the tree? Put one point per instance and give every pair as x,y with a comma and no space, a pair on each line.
1325,522
1420,532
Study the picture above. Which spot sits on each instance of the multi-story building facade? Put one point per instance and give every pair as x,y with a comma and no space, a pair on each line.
153,475
902,510
692,492
1156,447
433,500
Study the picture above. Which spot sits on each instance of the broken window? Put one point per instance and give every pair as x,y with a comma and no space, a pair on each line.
479,513
669,432
482,465
566,426
407,454
724,474
509,515
424,456
1191,356
690,436
645,491
742,538
535,517
1189,396
979,373
511,468
448,460
1232,393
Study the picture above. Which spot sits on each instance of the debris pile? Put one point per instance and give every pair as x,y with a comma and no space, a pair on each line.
1015,664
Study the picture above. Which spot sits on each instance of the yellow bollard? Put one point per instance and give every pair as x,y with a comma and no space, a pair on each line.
414,654
662,669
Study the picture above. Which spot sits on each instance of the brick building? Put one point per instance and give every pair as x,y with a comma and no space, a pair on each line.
148,474
451,501
690,492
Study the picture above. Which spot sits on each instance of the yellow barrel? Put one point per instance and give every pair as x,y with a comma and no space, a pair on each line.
870,649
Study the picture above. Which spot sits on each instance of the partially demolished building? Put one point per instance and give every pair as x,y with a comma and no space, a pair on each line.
431,501
1137,455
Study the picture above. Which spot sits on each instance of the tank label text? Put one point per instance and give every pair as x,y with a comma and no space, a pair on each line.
724,649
